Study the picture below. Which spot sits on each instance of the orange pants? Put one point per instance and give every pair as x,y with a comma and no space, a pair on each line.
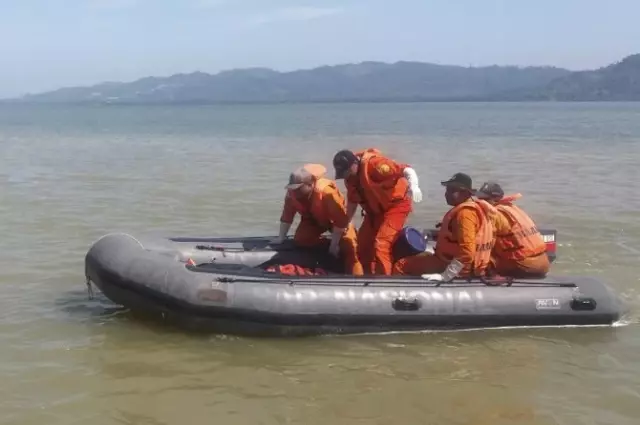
309,234
416,265
531,267
376,237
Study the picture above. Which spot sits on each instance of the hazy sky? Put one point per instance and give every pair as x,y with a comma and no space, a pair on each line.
45,44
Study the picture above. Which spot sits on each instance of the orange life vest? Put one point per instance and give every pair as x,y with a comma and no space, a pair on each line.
313,209
524,240
447,246
378,197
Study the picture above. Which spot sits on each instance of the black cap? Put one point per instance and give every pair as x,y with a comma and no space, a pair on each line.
490,190
342,161
459,180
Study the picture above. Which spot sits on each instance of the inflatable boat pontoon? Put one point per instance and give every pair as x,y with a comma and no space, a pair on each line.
222,285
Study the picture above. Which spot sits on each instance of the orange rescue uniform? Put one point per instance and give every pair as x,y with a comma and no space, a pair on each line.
320,212
381,189
520,250
466,234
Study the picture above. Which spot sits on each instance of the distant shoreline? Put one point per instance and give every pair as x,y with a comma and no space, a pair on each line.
318,102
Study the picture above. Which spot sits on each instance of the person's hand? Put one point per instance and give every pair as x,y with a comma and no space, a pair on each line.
414,188
415,193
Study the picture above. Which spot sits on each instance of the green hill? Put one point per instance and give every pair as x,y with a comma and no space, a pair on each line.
367,81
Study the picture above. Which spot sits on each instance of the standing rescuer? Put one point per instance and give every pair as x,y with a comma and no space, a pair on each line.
384,189
322,208
520,250
465,237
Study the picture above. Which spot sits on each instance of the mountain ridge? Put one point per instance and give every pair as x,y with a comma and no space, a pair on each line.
367,81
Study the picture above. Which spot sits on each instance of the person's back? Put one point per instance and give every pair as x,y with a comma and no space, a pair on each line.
324,205
520,250
330,204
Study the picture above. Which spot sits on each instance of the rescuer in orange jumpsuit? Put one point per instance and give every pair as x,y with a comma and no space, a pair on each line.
520,250
322,208
384,189
465,238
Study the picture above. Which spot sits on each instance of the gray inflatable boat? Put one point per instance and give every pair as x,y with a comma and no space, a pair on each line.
223,285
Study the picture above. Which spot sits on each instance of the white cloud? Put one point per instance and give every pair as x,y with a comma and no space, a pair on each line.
295,14
112,4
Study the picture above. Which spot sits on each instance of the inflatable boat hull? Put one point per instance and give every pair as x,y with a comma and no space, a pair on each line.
230,295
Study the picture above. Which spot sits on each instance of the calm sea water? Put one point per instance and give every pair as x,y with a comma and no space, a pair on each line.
70,174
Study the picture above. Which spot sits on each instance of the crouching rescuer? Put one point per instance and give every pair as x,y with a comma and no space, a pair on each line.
465,238
322,208
520,250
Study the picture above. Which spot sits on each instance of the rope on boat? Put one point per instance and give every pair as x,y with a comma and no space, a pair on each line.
388,282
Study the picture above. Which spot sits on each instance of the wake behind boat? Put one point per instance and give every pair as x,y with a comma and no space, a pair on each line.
234,286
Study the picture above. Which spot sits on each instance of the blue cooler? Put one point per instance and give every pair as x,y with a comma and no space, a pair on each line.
410,241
